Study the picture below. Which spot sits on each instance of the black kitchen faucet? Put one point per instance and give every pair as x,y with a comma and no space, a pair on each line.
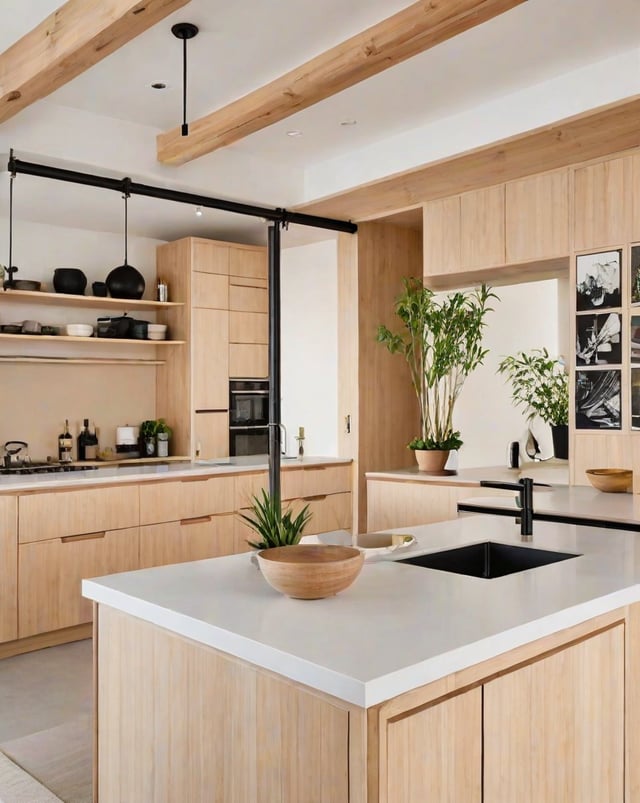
524,487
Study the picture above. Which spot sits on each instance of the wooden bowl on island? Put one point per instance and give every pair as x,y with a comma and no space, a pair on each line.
610,480
310,571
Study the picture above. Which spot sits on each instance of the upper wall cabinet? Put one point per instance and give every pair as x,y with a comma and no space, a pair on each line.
601,204
482,228
537,217
635,198
441,226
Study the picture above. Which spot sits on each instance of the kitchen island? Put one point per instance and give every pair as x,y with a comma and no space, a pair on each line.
413,684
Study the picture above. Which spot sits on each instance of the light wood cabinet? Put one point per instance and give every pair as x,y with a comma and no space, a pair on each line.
43,516
482,241
554,730
51,573
190,498
209,256
249,485
248,262
435,754
601,204
537,217
211,434
315,480
635,198
210,290
328,512
442,236
8,568
190,539
248,360
248,327
244,298
210,359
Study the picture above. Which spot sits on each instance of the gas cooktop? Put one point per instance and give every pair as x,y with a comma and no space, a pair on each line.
37,467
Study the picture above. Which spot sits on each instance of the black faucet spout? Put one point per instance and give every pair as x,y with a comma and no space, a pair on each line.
525,488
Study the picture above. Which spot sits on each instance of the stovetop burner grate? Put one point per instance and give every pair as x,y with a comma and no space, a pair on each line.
41,467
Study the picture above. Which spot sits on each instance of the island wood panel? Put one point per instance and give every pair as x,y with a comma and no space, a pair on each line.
211,434
537,217
188,539
51,573
209,290
248,360
482,219
246,298
404,504
632,703
386,417
441,236
173,379
248,262
56,514
248,327
635,197
8,568
211,727
602,204
298,482
210,368
435,754
208,256
554,730
600,450
187,499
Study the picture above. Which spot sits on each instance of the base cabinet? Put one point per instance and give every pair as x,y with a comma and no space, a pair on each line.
8,568
189,539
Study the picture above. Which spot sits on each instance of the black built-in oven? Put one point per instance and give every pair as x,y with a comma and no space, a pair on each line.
248,417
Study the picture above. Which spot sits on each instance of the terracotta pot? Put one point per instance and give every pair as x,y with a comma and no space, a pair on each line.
431,461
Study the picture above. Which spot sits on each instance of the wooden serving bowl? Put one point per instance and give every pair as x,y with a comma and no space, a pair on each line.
610,480
310,571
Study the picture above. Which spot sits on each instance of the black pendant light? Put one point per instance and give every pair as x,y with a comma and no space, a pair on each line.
184,31
125,281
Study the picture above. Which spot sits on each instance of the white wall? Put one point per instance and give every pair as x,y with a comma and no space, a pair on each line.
309,293
527,316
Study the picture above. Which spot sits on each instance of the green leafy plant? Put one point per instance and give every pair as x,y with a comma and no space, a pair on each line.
163,427
540,384
442,344
274,527
148,429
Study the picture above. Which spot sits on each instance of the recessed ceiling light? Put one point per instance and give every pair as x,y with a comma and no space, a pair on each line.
198,211
294,133
158,85
348,122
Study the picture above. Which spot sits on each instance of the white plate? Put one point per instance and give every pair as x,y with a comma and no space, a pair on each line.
383,543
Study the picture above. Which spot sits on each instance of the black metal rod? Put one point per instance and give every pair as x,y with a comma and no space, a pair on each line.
282,216
185,127
274,361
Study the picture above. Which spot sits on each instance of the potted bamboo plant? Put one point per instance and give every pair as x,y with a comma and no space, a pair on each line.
442,344
539,384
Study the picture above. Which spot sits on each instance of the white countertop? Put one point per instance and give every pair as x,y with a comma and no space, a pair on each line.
398,626
157,471
552,471
576,502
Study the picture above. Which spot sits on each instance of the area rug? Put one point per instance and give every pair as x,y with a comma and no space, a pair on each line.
17,786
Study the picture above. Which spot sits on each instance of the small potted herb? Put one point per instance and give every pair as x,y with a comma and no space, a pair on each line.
148,431
163,433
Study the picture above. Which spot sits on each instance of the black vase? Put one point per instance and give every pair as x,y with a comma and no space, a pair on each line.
69,280
125,282
560,435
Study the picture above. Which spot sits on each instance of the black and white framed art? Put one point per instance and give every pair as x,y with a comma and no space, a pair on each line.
598,339
635,398
598,280
598,399
635,274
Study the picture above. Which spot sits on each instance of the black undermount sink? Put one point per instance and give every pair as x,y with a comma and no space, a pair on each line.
488,559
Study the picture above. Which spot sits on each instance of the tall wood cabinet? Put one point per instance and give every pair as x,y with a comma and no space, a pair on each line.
225,325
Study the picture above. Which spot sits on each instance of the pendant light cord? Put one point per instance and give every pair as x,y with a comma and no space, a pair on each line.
11,180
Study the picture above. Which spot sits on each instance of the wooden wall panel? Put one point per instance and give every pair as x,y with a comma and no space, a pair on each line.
441,236
599,450
635,198
8,568
601,204
482,228
537,217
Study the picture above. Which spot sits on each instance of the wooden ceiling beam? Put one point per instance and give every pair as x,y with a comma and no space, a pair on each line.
590,135
413,30
73,38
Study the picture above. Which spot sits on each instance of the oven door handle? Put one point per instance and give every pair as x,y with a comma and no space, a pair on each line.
252,426
250,392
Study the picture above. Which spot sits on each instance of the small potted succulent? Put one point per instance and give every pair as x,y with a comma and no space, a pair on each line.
273,526
163,433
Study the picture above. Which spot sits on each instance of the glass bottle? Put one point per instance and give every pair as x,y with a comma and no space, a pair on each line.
83,438
91,445
65,444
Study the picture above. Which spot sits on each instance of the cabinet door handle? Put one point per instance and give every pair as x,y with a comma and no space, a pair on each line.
195,479
196,520
314,468
314,498
67,539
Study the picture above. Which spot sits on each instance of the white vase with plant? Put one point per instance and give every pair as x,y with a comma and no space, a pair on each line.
442,344
540,384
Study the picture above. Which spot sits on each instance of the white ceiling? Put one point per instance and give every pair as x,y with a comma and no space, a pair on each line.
245,44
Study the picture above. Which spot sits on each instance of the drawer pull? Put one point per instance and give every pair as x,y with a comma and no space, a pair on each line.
196,520
314,498
195,479
314,468
67,539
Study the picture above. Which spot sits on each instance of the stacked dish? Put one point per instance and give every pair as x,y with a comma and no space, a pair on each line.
156,331
78,330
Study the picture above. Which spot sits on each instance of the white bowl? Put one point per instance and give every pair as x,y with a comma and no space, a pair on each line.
156,327
78,330
156,335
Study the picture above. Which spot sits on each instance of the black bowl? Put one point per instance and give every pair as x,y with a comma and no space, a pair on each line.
69,280
99,289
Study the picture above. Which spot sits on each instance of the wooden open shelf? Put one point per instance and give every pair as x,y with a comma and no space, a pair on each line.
102,340
92,302
79,360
